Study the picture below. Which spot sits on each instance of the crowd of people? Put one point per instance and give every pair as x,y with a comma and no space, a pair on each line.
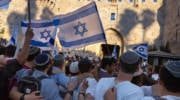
84,78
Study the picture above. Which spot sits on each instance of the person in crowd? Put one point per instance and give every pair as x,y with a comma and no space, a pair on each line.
59,74
10,51
7,54
28,65
58,64
141,79
49,89
168,87
10,68
107,67
129,64
85,66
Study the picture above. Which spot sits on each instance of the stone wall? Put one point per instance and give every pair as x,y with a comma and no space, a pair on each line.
136,21
172,25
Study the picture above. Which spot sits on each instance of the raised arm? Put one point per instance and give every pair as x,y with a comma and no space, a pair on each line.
24,52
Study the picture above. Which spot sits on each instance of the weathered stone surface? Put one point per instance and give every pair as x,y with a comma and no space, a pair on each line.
136,21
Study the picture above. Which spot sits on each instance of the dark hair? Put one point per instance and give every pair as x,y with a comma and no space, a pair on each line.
85,65
142,80
170,82
10,51
31,57
2,50
129,68
107,61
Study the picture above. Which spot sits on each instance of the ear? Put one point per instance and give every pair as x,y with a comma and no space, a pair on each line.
138,68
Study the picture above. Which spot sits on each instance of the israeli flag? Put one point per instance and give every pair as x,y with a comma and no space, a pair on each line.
13,38
4,2
80,28
44,33
114,53
141,50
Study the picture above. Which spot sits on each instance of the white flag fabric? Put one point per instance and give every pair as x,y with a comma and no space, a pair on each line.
4,2
44,33
141,50
13,38
80,28
114,53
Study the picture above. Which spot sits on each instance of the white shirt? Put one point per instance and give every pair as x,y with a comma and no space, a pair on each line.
147,90
167,97
90,90
170,97
125,90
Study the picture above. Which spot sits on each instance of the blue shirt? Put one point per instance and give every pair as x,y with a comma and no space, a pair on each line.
49,88
61,79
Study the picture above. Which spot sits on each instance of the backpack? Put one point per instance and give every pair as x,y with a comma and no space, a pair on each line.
28,84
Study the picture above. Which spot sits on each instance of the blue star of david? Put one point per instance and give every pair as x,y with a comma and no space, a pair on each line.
141,49
45,34
80,28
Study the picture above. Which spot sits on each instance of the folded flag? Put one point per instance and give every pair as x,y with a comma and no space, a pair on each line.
13,38
44,33
141,50
80,28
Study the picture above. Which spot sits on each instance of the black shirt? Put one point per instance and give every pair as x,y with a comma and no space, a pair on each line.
6,73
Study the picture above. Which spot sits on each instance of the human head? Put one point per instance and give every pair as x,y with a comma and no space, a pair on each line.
43,62
10,50
170,76
129,62
85,65
34,51
107,63
59,60
73,68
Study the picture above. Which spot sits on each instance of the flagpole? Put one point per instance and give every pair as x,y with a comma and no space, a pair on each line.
29,13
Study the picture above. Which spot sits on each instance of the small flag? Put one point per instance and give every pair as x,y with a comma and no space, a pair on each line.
13,38
114,53
80,28
4,2
141,50
44,33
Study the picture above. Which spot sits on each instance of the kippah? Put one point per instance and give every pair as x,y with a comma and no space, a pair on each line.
58,59
129,57
173,67
41,59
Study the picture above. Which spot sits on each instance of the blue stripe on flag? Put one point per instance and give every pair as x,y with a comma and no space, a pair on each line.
13,40
143,55
38,25
88,40
4,2
83,13
51,41
40,44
